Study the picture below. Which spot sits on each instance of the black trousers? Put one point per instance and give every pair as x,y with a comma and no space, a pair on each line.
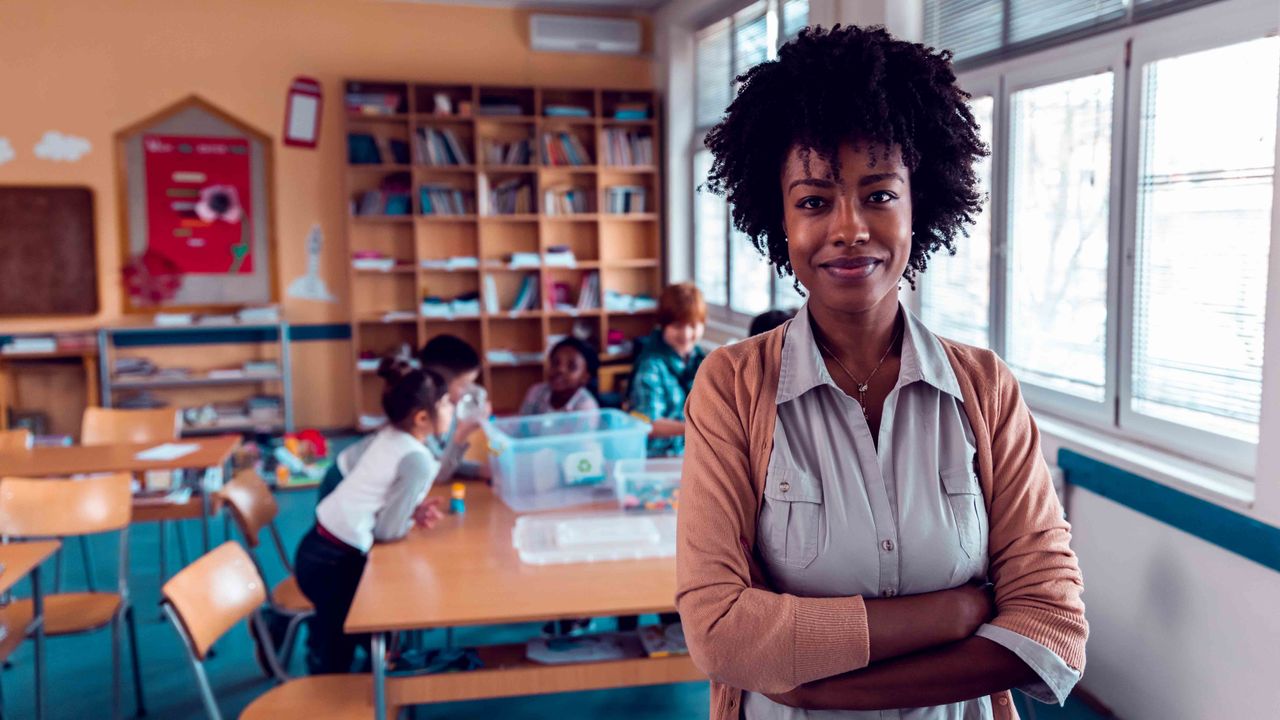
328,575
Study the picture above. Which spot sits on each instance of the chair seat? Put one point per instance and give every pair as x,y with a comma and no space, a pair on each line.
288,597
66,613
316,697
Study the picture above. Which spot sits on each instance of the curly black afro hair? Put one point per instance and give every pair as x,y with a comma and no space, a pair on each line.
846,84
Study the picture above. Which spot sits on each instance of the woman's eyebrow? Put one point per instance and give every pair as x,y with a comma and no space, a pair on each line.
824,184
879,177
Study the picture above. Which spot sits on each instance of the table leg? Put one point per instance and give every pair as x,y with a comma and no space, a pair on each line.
204,513
37,614
378,649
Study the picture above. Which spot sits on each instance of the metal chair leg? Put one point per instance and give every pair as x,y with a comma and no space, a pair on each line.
115,667
87,558
57,571
290,636
140,704
180,530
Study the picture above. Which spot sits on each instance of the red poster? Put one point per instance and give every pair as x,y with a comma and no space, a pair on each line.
199,212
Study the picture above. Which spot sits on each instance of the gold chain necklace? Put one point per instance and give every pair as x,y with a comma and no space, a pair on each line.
861,386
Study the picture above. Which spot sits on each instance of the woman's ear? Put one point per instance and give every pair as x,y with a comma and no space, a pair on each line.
423,420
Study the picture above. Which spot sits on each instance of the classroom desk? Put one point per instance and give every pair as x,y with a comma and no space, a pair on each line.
19,560
213,452
465,572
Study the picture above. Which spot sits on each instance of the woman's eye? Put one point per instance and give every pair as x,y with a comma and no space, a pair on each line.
811,203
881,197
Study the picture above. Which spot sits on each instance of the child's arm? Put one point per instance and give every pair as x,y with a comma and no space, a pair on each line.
413,477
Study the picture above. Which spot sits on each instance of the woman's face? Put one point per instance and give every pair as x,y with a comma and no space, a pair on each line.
849,240
567,370
682,337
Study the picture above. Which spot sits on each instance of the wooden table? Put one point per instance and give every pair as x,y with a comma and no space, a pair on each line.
213,452
8,386
19,560
465,571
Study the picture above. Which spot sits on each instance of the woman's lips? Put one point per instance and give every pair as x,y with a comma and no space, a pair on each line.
852,268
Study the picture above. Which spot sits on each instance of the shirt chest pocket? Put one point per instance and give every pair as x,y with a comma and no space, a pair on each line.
790,524
964,495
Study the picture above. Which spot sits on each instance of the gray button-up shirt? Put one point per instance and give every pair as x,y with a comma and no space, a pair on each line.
843,516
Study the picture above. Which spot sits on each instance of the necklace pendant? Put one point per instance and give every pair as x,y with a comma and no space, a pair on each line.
862,388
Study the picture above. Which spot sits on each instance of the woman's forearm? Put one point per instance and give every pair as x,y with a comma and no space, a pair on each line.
965,670
667,428
912,623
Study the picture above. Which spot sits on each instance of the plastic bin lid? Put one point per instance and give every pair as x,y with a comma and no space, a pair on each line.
593,537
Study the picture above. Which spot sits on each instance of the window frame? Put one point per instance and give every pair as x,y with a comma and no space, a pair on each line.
1125,52
724,314
1235,455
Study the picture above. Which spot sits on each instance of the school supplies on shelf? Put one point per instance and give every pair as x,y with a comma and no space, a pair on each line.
601,647
663,641
458,499
372,102
631,111
567,111
451,264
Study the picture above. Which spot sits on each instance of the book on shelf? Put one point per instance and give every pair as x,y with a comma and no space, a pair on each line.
501,106
527,295
625,199
444,200
380,202
560,256
589,291
456,262
518,152
30,344
564,149
565,200
567,111
490,295
519,260
366,149
170,319
225,374
382,264
513,196
440,147
627,148
261,367
266,314
631,111
375,103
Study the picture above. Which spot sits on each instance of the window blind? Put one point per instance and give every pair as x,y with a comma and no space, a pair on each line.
713,77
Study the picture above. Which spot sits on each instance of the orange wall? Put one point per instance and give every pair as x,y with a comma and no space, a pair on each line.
88,69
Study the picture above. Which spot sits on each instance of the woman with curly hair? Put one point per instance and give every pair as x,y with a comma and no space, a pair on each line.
867,523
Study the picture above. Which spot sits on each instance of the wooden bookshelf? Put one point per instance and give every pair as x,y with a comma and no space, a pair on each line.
624,249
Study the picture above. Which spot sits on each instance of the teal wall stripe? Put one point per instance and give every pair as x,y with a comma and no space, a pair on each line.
337,331
1225,528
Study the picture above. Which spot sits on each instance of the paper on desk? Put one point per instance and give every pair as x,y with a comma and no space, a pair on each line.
167,451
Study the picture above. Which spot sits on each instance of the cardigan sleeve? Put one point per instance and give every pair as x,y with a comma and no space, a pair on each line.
1037,578
740,635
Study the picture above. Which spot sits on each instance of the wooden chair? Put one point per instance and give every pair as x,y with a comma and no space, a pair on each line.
208,597
61,508
112,426
254,509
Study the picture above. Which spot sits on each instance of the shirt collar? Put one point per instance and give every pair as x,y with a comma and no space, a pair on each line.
923,359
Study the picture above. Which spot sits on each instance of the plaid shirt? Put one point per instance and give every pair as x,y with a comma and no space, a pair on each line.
659,387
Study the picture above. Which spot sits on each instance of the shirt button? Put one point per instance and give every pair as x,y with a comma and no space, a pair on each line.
887,545
890,593
784,486
1003,700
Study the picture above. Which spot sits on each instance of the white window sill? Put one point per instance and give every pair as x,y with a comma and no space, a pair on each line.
1194,478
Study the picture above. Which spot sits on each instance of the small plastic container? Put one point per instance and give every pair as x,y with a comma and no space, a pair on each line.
542,462
650,485
593,537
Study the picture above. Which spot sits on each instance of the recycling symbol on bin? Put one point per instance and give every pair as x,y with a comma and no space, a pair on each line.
584,465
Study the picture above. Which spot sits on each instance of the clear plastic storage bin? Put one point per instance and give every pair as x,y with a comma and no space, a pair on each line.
651,485
561,459
593,537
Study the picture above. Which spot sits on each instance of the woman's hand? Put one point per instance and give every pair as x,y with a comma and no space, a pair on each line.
428,513
910,623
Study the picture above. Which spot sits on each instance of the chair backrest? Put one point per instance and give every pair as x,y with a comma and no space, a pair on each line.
19,439
212,594
64,507
252,505
109,426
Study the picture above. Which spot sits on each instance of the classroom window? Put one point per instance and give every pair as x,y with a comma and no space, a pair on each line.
956,289
735,278
1060,179
1129,230
1203,231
